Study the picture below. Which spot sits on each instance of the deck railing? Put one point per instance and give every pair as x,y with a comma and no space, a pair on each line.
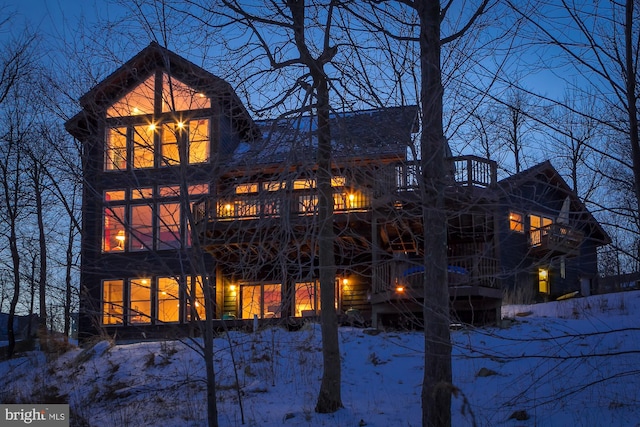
467,171
556,236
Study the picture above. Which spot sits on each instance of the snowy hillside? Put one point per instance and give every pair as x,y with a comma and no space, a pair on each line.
570,363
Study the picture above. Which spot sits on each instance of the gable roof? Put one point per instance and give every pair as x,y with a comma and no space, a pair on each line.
545,173
144,64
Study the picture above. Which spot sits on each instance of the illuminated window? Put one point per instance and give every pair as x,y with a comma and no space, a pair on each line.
141,193
198,189
168,299
247,188
170,191
304,184
338,181
143,146
307,203
114,195
113,229
116,149
271,207
307,299
539,227
263,300
247,208
516,222
141,228
168,226
198,141
139,301
195,295
273,185
171,133
177,96
138,101
112,302
543,280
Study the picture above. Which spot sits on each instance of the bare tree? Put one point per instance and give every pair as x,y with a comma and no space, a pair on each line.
601,45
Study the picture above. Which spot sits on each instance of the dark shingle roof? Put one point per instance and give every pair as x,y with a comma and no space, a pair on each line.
355,135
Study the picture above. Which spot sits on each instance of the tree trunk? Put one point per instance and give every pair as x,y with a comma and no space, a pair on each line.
631,76
329,398
68,283
436,387
42,280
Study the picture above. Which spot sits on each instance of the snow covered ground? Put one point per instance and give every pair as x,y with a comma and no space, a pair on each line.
569,363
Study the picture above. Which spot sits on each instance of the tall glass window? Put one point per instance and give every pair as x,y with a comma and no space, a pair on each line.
112,302
141,228
139,301
113,237
143,146
168,226
168,299
116,149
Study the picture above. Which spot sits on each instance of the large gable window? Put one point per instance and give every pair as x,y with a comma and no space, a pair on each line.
177,96
136,102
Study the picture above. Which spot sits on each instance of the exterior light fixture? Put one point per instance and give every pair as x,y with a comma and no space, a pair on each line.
400,289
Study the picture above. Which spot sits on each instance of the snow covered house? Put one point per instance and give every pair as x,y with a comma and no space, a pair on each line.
173,163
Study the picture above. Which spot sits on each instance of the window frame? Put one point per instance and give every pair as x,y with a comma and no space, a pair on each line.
114,303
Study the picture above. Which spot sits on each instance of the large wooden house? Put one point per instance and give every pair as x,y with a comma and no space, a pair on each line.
173,161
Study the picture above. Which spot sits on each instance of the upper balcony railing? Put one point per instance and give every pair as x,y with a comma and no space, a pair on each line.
467,171
556,237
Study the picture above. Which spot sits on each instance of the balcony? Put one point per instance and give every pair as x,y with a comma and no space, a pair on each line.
469,276
556,239
392,186
466,171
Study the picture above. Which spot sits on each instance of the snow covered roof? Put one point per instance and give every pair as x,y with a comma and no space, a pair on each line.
355,135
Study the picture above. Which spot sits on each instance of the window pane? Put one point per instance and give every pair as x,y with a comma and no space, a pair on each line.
199,141
141,193
141,228
303,184
168,226
171,191
543,280
305,299
516,222
196,294
115,195
138,101
247,188
113,229
250,301
272,301
143,146
170,136
112,302
140,301
177,96
198,189
116,149
168,299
